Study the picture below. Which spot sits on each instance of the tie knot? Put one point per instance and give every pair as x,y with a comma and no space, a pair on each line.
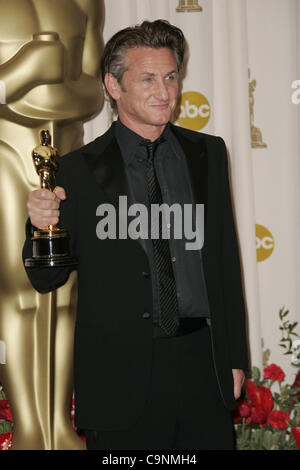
152,146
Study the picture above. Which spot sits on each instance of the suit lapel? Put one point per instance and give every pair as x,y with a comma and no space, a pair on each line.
196,157
104,159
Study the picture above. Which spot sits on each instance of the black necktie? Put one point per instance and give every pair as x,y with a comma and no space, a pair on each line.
167,293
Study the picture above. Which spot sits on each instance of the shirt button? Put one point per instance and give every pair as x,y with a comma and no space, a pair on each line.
146,315
145,274
173,259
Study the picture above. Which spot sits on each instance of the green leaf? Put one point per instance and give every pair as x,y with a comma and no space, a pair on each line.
5,426
256,374
282,314
268,439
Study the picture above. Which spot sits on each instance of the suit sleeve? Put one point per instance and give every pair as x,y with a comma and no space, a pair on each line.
234,304
47,279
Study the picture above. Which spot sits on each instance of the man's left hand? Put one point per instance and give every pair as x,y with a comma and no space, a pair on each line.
238,381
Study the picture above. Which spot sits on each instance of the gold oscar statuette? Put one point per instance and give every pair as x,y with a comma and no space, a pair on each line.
50,72
51,245
256,134
189,6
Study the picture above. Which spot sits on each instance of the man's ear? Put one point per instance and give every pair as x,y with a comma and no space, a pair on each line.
112,86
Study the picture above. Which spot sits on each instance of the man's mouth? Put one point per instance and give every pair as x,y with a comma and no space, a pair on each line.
160,105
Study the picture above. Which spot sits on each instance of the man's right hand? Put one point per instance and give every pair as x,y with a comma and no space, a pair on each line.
43,206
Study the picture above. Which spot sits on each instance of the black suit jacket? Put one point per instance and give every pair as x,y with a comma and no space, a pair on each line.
113,336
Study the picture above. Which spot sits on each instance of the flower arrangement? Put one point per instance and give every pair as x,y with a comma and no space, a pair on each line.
266,419
6,423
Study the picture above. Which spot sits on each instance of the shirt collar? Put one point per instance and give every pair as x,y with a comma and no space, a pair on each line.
129,140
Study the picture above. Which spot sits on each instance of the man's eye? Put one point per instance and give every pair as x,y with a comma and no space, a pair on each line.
171,77
147,79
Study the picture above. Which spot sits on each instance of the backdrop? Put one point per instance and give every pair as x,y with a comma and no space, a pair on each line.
241,84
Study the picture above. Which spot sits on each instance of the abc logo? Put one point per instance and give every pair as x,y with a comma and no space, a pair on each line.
264,243
194,111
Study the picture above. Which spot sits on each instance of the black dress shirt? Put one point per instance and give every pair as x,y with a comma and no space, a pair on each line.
172,173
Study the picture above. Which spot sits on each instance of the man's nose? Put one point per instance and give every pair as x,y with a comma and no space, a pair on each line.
161,90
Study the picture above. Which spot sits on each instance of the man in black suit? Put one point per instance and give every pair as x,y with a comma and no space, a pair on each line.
160,341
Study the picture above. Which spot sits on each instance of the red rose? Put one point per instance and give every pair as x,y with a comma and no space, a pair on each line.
72,416
261,402
296,434
296,383
6,440
258,415
259,396
278,419
243,410
274,372
5,410
251,391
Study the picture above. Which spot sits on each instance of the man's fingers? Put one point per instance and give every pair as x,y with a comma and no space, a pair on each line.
237,391
41,218
37,205
43,194
60,192
45,199
43,206
38,213
42,222
238,380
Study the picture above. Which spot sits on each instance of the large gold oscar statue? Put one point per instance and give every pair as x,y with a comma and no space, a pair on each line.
49,67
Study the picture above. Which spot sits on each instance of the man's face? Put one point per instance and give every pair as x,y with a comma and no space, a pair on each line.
147,95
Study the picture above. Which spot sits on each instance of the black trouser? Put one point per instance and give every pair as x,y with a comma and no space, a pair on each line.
184,409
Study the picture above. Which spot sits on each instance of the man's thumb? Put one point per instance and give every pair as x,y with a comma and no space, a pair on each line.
60,192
